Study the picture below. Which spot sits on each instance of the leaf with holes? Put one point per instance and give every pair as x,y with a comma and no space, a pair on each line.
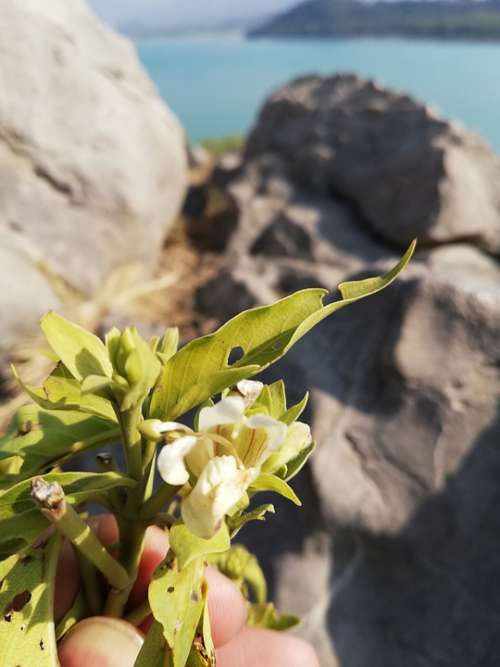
21,521
41,438
27,635
201,369
176,601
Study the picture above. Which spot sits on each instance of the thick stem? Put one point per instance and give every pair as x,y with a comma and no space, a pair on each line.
91,585
132,441
157,502
132,547
139,614
52,502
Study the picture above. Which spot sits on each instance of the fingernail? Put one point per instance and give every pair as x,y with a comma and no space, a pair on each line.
101,642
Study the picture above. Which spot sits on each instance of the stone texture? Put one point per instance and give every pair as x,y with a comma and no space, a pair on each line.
408,171
92,163
394,558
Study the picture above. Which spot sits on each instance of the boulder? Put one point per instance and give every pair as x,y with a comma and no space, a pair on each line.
394,558
92,163
409,172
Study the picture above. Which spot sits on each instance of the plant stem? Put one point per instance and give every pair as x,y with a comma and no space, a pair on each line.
140,614
51,500
132,547
157,502
132,441
91,585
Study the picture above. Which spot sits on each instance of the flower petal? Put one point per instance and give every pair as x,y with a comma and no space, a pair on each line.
171,464
220,486
276,433
228,411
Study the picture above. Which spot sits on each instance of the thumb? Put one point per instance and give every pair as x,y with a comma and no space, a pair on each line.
101,642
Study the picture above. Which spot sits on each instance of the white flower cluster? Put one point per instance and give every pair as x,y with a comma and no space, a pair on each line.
225,456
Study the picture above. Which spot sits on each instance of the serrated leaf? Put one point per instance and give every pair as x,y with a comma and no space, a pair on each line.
45,438
201,369
154,650
20,519
176,601
293,413
188,547
243,568
27,635
266,616
236,523
267,482
80,351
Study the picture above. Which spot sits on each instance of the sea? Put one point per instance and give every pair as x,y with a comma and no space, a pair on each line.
217,84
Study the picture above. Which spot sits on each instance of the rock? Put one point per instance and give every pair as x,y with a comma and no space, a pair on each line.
409,172
92,163
394,558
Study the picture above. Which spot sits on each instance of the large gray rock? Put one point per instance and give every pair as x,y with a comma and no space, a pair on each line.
394,558
408,171
92,163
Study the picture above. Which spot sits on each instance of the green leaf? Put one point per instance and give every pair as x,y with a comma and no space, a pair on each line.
97,384
294,467
71,618
153,651
20,519
267,482
27,635
139,365
236,523
243,568
176,601
201,369
168,345
272,398
293,413
188,547
80,351
45,438
266,616
62,393
203,650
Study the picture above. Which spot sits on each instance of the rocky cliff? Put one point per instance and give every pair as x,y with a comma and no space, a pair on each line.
394,560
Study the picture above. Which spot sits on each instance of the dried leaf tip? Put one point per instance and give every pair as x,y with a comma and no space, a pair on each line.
48,496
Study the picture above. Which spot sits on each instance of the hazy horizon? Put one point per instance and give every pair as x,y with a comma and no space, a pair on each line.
182,14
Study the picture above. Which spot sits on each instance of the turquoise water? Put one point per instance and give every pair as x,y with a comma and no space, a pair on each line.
217,86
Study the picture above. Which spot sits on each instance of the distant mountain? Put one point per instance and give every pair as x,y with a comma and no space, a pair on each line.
164,17
406,18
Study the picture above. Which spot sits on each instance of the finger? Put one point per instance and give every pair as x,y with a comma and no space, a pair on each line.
266,648
100,642
227,607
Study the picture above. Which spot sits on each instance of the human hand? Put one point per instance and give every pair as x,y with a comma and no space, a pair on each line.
103,642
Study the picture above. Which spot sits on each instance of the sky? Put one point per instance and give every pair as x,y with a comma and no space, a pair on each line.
183,13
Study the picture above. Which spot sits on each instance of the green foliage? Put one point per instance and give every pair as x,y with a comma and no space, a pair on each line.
246,440
27,634
220,145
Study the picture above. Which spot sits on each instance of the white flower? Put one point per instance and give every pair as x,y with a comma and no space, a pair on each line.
225,454
219,488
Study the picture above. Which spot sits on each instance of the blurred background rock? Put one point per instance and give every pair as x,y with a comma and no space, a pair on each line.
110,217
